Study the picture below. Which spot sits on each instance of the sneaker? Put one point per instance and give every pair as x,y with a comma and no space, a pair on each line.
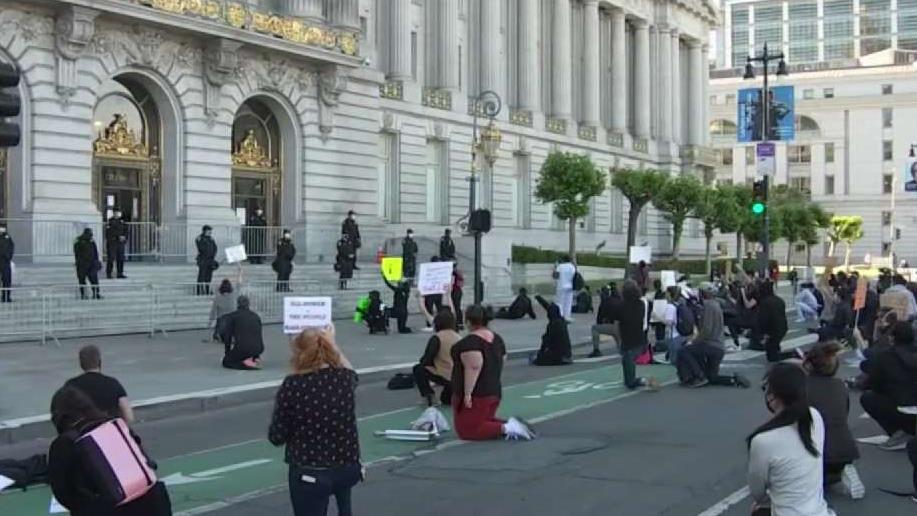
651,384
701,382
595,354
427,329
516,430
851,483
741,381
896,442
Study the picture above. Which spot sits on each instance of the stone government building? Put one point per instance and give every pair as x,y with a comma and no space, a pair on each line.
190,112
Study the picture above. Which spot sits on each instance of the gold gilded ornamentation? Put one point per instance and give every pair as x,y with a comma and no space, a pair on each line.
193,7
172,6
348,43
250,153
329,39
261,22
119,140
556,125
313,36
292,30
235,15
212,9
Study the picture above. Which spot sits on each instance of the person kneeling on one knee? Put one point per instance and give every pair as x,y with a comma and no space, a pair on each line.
435,365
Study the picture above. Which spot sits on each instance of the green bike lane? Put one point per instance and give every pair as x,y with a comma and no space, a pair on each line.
206,479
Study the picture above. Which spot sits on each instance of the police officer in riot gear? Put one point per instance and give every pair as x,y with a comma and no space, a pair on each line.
115,242
206,260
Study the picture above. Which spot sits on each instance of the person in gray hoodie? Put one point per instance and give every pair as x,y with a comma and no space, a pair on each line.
699,362
223,303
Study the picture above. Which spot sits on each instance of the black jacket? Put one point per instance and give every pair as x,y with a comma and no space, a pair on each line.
446,248
583,304
257,221
400,294
409,249
7,248
115,229
771,312
893,374
206,250
351,229
520,307
555,343
607,308
86,254
630,314
829,396
286,251
241,332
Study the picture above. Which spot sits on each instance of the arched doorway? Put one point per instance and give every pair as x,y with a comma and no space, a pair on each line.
256,163
126,161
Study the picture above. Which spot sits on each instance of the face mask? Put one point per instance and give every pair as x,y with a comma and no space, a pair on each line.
286,237
410,235
2,231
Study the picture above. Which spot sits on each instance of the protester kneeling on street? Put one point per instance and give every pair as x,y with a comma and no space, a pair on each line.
889,384
435,365
519,308
315,418
476,382
241,336
785,474
632,315
105,392
604,319
829,396
224,303
699,362
555,343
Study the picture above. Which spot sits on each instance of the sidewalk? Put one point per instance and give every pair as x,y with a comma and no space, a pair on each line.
179,366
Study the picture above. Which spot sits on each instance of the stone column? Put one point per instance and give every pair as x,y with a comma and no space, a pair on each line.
676,88
705,96
642,85
592,66
447,47
492,69
343,14
306,9
664,45
561,57
529,69
399,40
695,94
618,72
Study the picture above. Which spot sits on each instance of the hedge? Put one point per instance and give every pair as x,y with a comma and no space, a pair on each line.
525,254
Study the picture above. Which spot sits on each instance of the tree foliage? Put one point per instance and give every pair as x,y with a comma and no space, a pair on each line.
845,229
639,187
569,181
717,209
677,200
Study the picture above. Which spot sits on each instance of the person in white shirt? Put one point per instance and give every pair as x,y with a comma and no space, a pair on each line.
563,294
806,304
900,286
785,474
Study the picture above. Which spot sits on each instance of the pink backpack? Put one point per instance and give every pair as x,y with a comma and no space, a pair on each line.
116,463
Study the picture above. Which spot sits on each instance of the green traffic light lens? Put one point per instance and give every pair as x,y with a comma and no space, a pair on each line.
757,208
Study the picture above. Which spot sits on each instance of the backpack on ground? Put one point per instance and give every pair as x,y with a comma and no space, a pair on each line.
684,319
401,382
115,462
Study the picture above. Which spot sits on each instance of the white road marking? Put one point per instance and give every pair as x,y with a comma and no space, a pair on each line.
726,503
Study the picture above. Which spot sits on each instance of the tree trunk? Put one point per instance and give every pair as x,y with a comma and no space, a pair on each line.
739,247
632,215
677,228
847,256
831,246
709,243
810,274
789,254
572,242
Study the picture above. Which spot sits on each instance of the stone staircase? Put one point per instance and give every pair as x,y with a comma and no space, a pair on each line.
157,298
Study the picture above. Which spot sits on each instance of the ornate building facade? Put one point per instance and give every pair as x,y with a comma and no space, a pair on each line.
189,112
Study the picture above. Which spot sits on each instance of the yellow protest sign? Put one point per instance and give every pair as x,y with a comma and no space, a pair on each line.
392,267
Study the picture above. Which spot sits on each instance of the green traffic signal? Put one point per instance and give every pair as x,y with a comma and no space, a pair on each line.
757,208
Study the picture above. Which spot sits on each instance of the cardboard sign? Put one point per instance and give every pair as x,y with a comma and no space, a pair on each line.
393,268
897,301
859,298
435,278
641,253
301,313
830,263
659,309
236,254
668,279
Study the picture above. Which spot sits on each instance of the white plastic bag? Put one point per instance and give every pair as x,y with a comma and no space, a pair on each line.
432,420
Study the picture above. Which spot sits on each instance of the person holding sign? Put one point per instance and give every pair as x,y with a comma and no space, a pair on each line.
315,420
206,260
241,335
401,292
283,263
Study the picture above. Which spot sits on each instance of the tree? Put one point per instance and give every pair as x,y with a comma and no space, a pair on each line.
810,235
716,209
741,197
639,187
569,181
795,219
677,199
847,229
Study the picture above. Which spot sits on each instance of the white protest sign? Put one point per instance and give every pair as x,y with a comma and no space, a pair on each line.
300,313
236,254
641,253
659,308
55,507
435,278
5,482
668,279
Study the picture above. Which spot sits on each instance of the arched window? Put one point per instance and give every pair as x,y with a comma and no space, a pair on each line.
123,105
722,128
806,126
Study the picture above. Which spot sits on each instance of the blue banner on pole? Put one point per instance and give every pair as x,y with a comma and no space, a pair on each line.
750,119
910,175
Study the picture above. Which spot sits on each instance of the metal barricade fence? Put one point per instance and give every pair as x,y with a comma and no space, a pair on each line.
261,241
24,318
124,308
50,238
142,240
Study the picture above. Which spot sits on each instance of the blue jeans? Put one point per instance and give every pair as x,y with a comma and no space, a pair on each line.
674,346
311,489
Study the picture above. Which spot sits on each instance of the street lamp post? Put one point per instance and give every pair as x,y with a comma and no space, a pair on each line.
765,59
486,141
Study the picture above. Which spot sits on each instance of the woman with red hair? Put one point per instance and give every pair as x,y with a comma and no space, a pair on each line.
315,417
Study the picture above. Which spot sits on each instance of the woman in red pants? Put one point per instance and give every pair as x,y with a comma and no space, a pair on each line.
477,366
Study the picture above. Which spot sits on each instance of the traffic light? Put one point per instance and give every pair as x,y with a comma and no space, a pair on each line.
10,104
759,198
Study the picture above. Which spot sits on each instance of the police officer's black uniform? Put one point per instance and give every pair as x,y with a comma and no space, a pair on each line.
446,247
7,248
283,264
350,228
115,241
409,257
86,255
255,238
206,260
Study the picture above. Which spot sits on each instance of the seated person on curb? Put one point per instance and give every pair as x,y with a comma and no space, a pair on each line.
241,334
583,302
374,313
699,362
891,382
520,307
604,321
829,396
806,304
436,363
555,343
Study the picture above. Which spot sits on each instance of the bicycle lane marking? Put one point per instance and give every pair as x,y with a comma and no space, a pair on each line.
265,470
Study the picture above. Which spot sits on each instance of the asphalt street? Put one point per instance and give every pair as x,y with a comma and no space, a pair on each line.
602,450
